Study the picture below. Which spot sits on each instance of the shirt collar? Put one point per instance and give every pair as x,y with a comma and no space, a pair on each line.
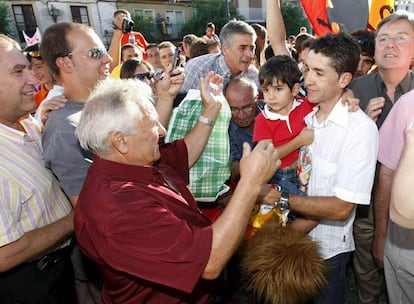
338,116
31,126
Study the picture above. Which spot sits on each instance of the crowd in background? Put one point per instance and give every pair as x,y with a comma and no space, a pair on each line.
129,175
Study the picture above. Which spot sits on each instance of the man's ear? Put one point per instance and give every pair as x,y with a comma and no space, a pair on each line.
64,64
119,142
345,79
224,49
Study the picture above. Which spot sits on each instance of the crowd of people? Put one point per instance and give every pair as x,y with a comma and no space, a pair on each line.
129,175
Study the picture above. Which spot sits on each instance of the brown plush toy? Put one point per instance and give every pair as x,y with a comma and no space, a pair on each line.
280,265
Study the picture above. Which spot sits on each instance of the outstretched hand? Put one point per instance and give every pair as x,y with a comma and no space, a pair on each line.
171,82
211,90
259,164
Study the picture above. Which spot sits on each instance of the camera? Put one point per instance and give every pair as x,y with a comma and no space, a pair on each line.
127,25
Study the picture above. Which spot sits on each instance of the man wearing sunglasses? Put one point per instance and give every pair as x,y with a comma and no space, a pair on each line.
77,55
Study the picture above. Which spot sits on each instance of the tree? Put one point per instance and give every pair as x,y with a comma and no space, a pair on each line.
294,18
147,28
5,22
206,11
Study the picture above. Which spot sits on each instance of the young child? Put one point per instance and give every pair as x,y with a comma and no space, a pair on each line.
283,116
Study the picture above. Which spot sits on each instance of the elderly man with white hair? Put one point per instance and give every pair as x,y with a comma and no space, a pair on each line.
136,218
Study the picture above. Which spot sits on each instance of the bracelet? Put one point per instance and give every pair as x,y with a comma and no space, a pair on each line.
206,121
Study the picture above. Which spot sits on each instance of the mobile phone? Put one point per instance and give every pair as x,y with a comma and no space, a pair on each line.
176,59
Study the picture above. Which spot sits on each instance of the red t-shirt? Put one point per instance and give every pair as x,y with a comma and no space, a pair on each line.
142,227
278,131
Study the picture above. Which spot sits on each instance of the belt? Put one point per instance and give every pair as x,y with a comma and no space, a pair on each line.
51,258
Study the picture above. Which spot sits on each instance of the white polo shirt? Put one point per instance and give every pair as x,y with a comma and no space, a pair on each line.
344,155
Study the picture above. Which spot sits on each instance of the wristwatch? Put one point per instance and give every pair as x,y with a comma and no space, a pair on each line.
283,203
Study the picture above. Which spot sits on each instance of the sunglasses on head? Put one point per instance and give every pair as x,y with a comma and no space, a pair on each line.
33,54
95,53
143,75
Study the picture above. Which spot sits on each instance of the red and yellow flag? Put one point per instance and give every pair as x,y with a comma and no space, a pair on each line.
379,9
327,16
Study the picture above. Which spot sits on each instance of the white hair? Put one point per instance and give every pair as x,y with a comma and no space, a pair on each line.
115,105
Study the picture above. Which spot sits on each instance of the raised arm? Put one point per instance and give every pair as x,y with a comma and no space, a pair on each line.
115,46
276,28
211,89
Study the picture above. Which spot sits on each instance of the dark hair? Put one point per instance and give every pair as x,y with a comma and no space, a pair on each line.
300,39
55,44
189,38
128,67
125,47
152,45
202,46
342,50
211,25
282,68
269,52
365,40
121,11
261,34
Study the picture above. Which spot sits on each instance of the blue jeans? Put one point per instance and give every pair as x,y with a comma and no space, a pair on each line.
334,291
287,179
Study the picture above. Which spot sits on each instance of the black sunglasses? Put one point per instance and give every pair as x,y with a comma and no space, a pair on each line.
143,75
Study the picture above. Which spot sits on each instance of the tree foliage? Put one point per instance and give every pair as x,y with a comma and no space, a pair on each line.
148,28
294,18
206,11
5,21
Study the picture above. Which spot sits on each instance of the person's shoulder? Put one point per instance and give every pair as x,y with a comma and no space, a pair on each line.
64,116
362,81
362,121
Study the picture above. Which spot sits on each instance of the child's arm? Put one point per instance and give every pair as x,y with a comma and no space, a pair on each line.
304,138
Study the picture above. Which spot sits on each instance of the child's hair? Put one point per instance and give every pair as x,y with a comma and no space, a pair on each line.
282,68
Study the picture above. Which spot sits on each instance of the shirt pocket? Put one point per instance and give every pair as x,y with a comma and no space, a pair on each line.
323,177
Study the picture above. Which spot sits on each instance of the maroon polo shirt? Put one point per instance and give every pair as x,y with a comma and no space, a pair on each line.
141,225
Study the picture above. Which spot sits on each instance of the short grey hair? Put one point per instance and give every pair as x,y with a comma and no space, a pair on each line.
115,105
235,27
396,16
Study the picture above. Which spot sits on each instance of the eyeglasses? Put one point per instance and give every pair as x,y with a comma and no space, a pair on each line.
247,109
143,75
157,75
399,40
95,53
32,54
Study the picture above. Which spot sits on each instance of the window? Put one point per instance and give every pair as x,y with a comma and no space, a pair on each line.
25,20
80,14
148,15
175,22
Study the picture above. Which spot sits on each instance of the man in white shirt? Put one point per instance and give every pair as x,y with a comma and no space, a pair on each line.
343,160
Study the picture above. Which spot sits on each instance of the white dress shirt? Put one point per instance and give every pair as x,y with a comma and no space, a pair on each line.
344,154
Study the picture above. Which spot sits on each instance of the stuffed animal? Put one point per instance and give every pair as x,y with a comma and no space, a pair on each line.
280,265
